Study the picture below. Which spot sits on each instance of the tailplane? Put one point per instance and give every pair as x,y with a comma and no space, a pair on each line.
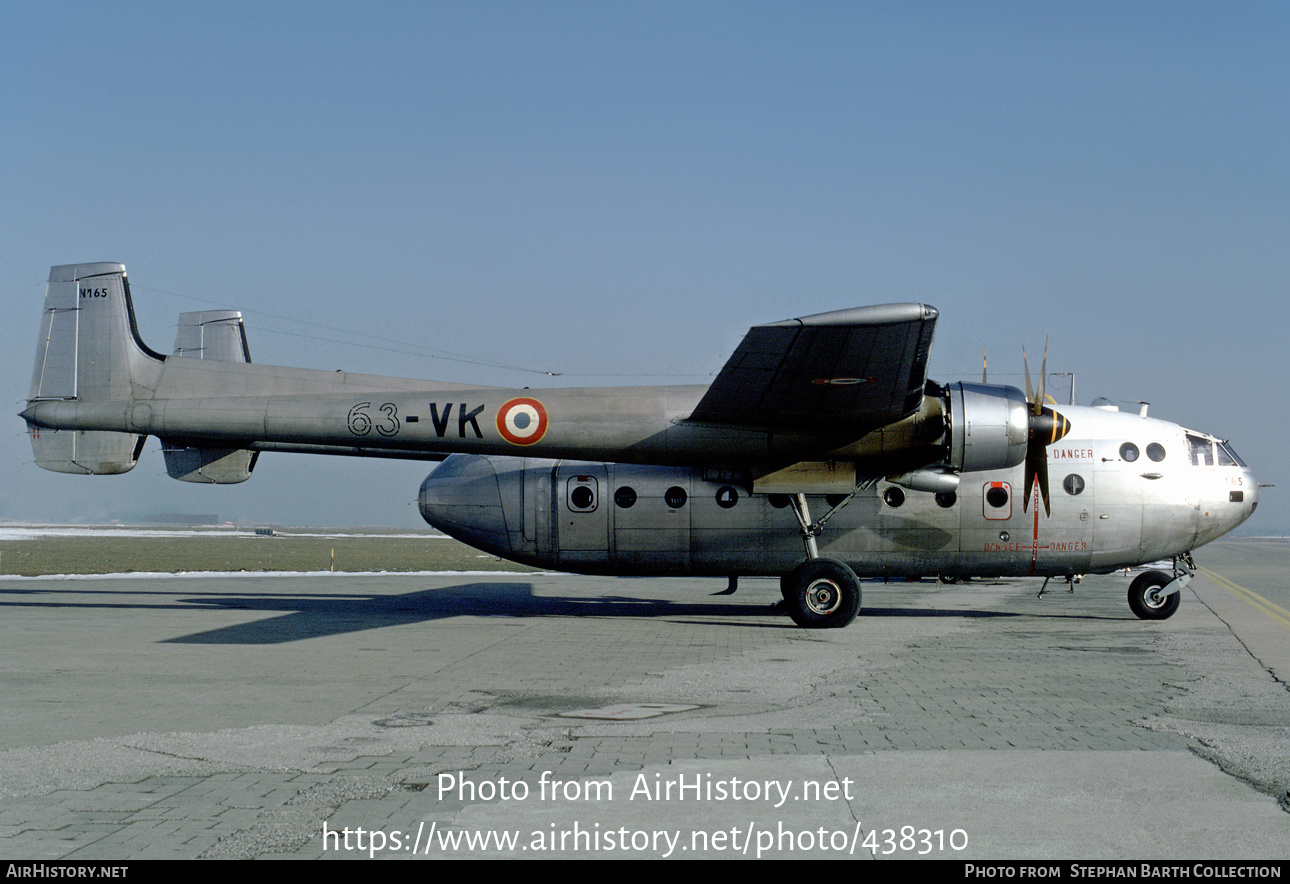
90,354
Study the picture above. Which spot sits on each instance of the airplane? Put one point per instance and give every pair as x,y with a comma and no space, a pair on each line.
829,414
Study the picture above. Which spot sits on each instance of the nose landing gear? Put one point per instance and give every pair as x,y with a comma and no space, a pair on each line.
1154,595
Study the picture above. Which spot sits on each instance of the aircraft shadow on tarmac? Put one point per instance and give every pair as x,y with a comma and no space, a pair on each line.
311,616
314,615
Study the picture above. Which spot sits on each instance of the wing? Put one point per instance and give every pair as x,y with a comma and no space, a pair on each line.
850,369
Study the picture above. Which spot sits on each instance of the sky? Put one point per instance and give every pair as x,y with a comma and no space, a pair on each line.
484,192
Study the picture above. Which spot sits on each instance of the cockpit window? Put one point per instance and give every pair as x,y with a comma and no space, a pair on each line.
1228,457
1201,451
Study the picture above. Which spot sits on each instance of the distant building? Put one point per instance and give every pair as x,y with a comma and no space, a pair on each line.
183,519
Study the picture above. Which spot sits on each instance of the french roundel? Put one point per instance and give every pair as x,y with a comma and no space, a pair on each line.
522,421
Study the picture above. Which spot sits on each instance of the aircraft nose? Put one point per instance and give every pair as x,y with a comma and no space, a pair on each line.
1251,495
461,499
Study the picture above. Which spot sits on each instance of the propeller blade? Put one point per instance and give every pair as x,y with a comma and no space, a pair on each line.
1043,373
1030,396
983,355
1037,473
1046,427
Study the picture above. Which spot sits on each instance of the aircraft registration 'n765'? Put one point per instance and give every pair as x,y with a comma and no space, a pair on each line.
821,453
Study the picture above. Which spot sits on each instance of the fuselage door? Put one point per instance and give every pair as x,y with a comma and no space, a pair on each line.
581,514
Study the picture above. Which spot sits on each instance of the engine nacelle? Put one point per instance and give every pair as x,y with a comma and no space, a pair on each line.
988,426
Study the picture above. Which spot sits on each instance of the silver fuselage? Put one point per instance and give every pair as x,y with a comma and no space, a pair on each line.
1180,490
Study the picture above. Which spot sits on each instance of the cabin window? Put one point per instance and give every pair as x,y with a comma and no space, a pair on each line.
893,497
778,501
582,492
1227,457
946,499
625,497
998,501
1073,484
1227,446
1156,452
727,496
675,497
1200,450
1129,452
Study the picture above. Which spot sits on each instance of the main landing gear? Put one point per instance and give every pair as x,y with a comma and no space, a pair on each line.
820,593
1154,595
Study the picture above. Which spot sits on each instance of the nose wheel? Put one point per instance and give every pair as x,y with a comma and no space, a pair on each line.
1148,599
822,594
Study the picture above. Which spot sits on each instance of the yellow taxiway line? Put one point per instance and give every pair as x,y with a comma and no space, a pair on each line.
1253,599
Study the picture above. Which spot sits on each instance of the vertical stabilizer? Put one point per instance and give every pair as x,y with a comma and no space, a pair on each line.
218,335
89,351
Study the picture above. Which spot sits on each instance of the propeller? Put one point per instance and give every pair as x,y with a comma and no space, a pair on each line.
1046,426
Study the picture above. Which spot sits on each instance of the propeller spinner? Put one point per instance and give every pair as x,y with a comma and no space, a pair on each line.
1046,426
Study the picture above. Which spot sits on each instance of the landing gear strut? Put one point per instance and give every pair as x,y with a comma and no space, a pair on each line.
820,593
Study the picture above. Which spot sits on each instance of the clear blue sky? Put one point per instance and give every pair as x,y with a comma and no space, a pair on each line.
617,191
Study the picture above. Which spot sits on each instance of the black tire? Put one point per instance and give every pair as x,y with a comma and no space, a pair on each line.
822,594
950,579
1145,600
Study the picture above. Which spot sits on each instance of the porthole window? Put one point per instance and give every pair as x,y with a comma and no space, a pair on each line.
581,494
778,501
1129,452
998,501
625,497
675,497
893,497
727,496
1156,452
946,499
1073,484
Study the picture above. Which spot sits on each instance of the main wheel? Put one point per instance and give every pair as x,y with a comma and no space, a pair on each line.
1145,598
822,594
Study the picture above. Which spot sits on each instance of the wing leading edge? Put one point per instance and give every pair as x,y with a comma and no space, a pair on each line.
855,369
